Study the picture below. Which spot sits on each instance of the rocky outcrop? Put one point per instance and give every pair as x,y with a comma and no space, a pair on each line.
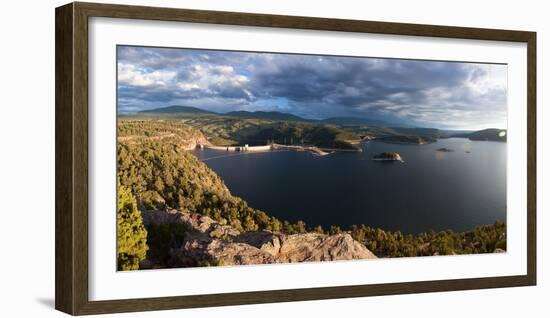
388,156
199,225
208,242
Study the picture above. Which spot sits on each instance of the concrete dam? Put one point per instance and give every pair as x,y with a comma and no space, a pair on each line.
246,148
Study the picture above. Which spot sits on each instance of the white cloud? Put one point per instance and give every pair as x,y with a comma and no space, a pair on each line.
188,86
128,74
485,78
204,76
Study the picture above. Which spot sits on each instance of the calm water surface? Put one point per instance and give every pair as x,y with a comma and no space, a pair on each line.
431,190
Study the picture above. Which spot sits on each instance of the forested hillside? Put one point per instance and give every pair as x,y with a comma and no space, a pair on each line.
161,174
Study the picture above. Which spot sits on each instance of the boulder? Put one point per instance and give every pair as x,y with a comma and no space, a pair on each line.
210,243
319,247
206,252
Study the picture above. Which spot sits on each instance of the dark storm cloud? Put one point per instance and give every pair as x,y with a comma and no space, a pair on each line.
428,93
351,81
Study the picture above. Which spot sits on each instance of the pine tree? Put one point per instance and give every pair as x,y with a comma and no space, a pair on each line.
131,233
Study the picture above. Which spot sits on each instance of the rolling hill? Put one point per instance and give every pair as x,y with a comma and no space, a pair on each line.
490,134
175,109
357,125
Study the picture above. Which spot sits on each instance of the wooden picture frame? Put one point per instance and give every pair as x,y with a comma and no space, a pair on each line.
71,171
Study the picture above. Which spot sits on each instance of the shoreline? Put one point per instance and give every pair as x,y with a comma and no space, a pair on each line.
318,151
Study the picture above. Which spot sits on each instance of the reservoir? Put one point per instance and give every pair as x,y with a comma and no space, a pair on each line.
430,190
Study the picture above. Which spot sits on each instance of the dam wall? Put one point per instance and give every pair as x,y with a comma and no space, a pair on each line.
241,148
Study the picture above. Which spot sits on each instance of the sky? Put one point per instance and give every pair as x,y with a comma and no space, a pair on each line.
445,95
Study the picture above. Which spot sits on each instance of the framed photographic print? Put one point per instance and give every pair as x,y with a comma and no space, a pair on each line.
219,158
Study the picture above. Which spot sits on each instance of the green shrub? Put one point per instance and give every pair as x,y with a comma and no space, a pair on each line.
131,234
162,237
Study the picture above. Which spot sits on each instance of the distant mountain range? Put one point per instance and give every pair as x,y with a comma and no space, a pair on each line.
176,111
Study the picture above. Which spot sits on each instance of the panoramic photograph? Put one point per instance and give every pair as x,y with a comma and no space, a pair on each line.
229,158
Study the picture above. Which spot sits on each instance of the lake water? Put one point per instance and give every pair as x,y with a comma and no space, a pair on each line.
431,190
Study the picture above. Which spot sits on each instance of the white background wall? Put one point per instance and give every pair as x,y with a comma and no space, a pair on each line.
27,158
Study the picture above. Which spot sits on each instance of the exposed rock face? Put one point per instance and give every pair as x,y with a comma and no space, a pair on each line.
197,223
198,252
316,247
209,242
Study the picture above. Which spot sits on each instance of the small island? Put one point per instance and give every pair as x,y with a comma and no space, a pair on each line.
444,150
388,156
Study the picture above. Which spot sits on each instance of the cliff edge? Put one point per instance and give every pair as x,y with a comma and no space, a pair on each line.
207,242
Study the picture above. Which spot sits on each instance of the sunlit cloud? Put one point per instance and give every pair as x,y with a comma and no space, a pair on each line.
418,93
